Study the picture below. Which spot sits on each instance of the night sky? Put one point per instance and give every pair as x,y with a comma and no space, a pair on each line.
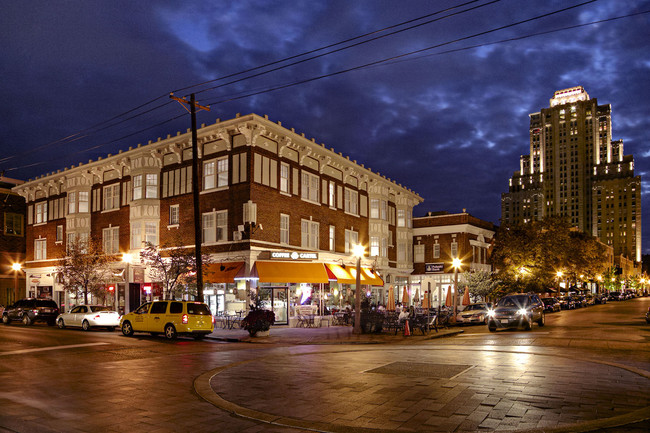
449,121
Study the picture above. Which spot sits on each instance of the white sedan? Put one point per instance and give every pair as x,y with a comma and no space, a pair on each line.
89,316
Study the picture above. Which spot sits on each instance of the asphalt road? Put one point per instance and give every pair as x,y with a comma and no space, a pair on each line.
586,365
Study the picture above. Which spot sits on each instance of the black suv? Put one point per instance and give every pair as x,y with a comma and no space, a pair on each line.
31,310
513,311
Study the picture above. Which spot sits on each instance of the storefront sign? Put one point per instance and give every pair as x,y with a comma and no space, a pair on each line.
295,255
434,268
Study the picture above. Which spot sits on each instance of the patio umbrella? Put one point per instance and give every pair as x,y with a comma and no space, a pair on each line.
466,300
426,304
448,301
405,297
390,306
416,298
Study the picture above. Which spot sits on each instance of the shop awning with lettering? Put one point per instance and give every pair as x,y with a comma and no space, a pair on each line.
348,275
290,272
224,272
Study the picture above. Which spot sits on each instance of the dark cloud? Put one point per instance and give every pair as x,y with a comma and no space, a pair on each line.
449,126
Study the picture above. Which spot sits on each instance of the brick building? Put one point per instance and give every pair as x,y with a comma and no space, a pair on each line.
280,214
438,238
12,242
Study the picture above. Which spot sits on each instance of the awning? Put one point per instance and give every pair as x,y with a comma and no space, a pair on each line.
348,275
290,272
213,272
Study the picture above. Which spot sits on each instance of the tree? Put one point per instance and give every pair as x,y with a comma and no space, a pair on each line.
481,284
85,267
173,265
527,257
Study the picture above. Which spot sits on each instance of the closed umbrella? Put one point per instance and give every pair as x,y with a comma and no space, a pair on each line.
466,300
448,301
426,303
390,306
416,298
405,297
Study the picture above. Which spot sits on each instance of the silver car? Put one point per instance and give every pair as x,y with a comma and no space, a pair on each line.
473,313
90,316
514,311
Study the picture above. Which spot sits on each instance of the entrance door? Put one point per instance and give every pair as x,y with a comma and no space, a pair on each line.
134,296
281,305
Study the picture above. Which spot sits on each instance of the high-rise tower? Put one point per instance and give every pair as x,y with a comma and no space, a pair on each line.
575,169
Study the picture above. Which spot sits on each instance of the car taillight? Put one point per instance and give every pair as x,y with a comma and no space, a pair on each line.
184,319
35,311
214,320
96,316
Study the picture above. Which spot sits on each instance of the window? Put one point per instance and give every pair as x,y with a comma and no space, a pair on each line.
72,202
284,177
384,210
13,224
401,218
112,197
152,186
310,187
174,211
454,249
41,212
332,194
136,236
40,249
59,233
215,173
384,247
374,246
137,188
401,251
351,239
151,233
374,208
84,200
332,238
145,186
419,253
436,251
351,201
309,234
284,229
111,240
215,225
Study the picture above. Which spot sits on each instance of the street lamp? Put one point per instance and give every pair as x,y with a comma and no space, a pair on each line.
358,251
455,263
16,267
127,259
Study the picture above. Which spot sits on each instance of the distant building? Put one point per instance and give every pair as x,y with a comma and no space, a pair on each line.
576,170
438,238
12,242
280,214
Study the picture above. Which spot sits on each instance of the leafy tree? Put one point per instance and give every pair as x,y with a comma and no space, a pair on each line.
85,267
481,284
174,266
527,257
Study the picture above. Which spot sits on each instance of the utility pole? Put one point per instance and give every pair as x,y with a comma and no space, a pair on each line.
195,191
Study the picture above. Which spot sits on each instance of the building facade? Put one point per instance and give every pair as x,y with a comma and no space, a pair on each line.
12,242
575,169
439,238
279,214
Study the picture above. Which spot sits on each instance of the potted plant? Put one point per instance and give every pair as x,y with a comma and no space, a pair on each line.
258,319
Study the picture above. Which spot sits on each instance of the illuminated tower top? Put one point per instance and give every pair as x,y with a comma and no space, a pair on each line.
566,96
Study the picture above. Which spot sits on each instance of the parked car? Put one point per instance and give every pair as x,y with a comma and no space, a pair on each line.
551,305
514,311
566,303
600,298
615,296
171,318
579,300
90,316
473,313
647,316
31,310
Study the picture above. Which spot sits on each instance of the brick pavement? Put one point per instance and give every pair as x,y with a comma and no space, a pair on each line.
369,387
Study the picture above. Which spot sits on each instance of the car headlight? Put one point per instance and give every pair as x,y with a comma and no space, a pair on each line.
522,312
490,313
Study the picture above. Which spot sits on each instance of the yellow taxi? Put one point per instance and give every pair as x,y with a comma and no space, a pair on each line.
171,318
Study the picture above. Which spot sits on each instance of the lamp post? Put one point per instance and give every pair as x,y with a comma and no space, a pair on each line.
127,259
16,267
456,264
358,251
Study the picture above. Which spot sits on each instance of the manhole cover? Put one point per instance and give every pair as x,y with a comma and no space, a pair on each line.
421,369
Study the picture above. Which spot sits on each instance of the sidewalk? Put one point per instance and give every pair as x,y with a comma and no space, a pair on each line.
327,335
